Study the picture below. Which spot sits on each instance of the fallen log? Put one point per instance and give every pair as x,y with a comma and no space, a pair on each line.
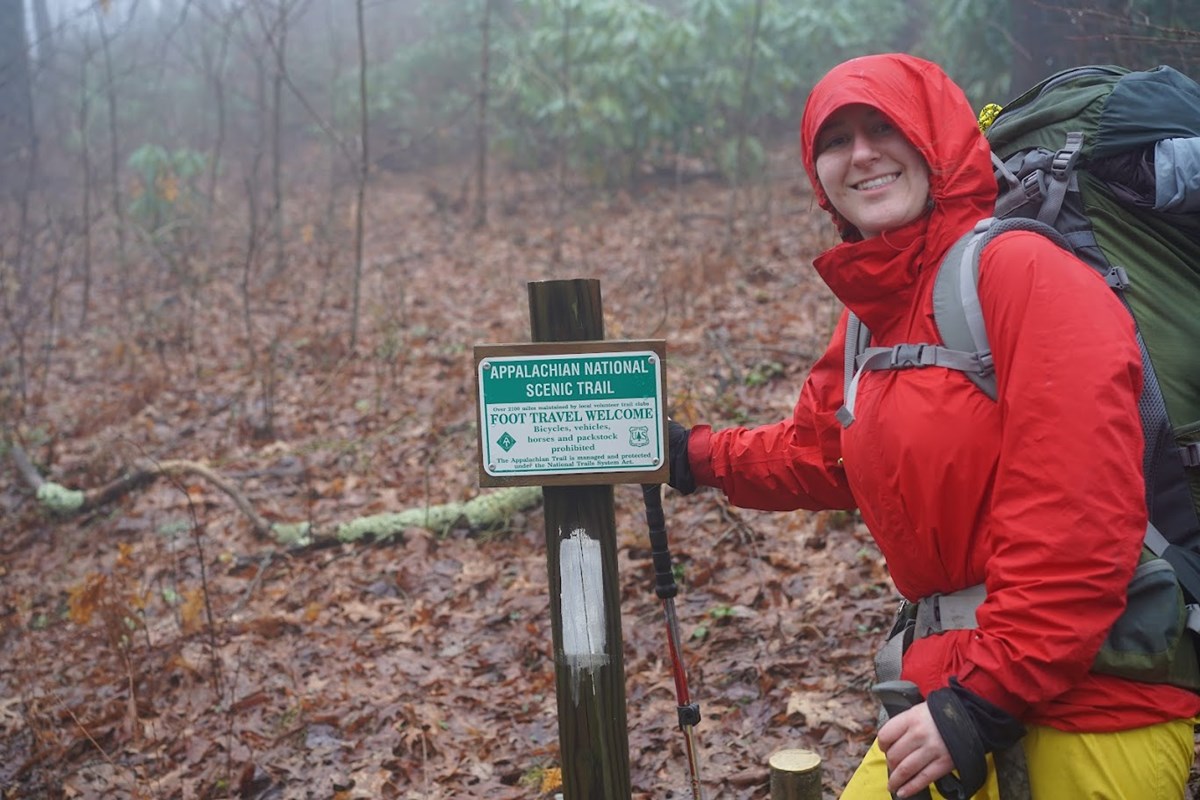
487,511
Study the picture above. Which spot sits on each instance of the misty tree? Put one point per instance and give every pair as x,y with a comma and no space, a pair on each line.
481,163
741,120
45,36
996,49
16,96
363,171
1048,39
114,145
590,96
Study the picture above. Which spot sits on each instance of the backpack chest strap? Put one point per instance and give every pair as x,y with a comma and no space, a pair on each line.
907,356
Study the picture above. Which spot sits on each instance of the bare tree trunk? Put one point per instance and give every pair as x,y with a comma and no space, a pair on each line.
481,128
335,152
26,147
564,134
85,165
53,318
742,122
16,96
280,47
364,163
252,237
326,238
18,156
214,69
253,229
114,155
45,35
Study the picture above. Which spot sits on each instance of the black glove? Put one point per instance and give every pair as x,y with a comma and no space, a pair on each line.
971,727
681,479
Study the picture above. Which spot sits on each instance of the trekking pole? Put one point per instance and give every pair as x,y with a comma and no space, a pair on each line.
664,587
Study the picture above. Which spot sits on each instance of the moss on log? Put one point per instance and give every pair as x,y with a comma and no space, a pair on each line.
486,512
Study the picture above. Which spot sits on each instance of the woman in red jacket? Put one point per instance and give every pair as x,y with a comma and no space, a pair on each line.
1030,495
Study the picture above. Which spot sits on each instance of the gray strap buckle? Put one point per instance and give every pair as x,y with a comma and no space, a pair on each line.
987,365
1064,159
905,356
939,613
1033,187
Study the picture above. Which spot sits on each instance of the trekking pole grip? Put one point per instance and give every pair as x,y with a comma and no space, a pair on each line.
660,551
897,697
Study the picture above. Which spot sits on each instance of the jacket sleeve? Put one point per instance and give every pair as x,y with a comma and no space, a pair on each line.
795,463
1066,515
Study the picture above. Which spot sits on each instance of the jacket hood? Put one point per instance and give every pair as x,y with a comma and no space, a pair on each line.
932,112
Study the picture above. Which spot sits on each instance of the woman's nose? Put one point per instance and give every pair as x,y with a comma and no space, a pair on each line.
863,149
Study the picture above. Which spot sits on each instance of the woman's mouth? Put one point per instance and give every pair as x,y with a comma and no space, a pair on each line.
875,183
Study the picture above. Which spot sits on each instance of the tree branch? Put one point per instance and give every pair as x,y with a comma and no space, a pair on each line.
486,511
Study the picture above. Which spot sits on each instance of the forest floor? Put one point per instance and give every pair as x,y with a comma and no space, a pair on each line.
157,647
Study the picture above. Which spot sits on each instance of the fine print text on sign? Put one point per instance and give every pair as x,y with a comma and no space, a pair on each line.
571,414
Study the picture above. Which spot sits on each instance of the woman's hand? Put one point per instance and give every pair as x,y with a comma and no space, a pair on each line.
916,754
681,469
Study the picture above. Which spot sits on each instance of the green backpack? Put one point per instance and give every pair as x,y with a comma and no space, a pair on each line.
1105,161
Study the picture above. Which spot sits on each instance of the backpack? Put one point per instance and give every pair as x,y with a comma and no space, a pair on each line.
1104,161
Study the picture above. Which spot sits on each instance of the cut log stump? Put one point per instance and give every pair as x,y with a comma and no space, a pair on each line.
795,775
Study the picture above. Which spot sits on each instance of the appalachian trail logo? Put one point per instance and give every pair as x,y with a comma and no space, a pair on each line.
639,436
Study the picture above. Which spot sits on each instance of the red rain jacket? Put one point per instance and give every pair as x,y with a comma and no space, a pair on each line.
1037,494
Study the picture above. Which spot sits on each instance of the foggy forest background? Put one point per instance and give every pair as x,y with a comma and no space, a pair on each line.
130,130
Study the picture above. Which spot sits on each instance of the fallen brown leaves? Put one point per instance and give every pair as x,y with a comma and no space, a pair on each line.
418,668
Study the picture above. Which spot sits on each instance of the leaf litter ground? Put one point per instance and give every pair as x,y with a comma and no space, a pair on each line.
158,649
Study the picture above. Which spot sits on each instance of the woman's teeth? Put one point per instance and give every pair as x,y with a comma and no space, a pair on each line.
875,183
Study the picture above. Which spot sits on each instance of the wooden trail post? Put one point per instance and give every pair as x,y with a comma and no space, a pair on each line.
575,414
581,556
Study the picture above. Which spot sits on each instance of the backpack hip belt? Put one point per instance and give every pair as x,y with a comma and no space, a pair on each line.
1145,644
931,615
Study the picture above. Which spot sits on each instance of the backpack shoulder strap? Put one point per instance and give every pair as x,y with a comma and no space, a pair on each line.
957,314
858,337
956,309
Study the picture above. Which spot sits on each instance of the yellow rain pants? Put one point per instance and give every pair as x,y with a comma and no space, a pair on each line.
1150,763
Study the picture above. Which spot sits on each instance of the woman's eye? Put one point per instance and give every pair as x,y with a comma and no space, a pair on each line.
834,140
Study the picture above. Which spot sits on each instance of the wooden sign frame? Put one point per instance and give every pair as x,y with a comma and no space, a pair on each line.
584,351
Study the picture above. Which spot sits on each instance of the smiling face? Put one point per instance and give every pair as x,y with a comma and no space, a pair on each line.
874,178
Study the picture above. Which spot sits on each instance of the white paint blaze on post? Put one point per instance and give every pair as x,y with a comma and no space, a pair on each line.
582,606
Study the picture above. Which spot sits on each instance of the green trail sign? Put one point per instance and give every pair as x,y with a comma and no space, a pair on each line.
591,410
